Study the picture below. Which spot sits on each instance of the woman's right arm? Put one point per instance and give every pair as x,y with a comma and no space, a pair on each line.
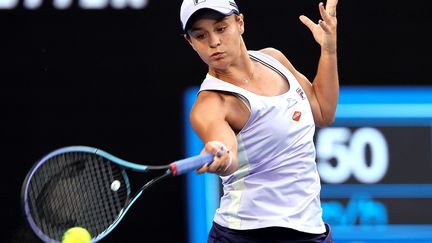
209,121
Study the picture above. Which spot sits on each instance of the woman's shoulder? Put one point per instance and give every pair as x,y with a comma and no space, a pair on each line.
276,55
273,52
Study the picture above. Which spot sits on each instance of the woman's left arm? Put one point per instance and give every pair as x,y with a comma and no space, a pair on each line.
323,92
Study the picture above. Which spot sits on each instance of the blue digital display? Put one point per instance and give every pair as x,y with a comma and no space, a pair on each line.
374,163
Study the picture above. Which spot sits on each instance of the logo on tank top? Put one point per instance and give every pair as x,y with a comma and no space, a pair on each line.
296,116
301,93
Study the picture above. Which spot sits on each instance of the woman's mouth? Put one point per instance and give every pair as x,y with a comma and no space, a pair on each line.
217,55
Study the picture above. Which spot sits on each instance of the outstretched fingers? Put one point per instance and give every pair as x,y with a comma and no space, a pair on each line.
331,7
308,22
324,31
328,14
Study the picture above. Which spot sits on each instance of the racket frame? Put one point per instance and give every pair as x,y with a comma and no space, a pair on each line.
176,168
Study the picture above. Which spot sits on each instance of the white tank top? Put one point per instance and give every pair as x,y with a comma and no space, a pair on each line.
276,183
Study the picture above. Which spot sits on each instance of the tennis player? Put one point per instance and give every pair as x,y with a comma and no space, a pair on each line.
258,115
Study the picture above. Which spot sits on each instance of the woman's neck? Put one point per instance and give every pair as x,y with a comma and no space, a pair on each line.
240,71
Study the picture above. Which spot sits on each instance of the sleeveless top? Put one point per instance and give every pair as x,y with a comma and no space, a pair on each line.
276,183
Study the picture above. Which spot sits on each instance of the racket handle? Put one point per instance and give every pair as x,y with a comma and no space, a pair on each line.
189,164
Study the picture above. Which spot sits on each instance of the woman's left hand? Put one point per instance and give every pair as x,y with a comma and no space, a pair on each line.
325,31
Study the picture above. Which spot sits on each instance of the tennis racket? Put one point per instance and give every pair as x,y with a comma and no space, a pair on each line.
87,187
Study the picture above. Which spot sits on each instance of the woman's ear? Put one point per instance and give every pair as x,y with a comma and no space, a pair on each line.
188,39
240,20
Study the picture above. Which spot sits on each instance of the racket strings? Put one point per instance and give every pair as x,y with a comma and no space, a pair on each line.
108,207
116,200
74,189
42,194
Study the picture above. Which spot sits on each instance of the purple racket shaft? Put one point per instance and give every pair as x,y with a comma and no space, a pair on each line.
183,166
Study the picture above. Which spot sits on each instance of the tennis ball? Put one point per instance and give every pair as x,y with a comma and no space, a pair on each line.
76,235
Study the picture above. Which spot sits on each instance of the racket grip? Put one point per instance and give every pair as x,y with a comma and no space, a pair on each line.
189,164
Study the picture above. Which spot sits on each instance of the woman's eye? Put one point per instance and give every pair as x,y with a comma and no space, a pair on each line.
199,36
221,29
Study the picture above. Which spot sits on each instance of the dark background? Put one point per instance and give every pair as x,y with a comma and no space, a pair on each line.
114,79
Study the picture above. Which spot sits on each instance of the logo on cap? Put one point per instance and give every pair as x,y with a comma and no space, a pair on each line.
198,1
232,3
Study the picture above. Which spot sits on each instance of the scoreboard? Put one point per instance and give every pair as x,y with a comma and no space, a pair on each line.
375,164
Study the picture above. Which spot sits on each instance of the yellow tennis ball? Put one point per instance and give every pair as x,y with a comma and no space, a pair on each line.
76,235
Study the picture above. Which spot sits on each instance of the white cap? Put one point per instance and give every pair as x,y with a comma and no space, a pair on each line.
189,7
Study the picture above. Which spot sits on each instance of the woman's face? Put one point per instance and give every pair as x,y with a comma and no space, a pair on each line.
216,39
